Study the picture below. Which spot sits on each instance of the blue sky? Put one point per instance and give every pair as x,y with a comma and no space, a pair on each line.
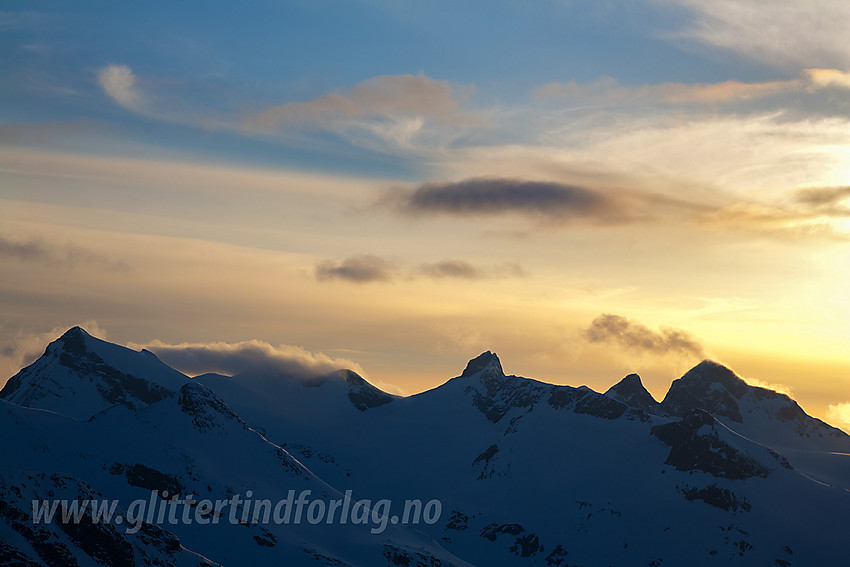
588,188
226,59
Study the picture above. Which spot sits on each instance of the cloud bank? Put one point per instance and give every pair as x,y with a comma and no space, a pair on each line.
254,355
615,329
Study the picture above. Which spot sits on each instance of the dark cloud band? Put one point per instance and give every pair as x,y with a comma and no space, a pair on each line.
357,269
480,196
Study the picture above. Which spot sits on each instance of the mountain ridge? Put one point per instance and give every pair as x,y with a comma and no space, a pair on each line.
526,472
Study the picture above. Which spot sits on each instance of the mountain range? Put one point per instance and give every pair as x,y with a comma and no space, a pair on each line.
516,471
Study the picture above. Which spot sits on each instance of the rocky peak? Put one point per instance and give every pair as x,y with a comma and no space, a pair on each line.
630,391
73,341
363,394
79,375
486,362
707,386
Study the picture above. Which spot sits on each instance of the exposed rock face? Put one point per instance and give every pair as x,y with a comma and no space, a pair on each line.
487,363
363,394
71,377
631,392
208,411
495,394
750,410
708,386
696,444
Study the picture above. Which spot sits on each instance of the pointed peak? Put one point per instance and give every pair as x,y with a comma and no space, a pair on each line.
484,361
76,330
74,340
631,380
631,391
709,386
711,372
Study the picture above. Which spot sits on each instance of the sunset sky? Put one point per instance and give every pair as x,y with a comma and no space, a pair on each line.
588,188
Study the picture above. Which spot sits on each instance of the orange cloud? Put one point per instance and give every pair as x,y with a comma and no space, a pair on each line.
383,96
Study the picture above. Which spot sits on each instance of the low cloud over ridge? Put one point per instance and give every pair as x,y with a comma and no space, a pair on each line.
254,355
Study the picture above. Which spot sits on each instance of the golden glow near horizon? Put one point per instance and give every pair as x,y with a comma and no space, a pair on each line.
583,225
144,276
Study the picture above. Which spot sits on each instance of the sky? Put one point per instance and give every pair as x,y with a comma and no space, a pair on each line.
587,188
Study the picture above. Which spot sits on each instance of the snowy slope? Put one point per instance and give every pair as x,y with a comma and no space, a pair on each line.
190,442
527,473
531,473
766,417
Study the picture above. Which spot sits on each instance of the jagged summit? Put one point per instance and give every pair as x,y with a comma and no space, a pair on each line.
630,391
488,361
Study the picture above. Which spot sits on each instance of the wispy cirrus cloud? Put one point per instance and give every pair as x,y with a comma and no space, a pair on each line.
806,212
782,33
369,269
57,254
395,114
460,269
637,337
828,199
388,113
607,91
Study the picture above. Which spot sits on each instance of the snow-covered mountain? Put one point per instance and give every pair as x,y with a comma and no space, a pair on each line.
79,375
525,472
